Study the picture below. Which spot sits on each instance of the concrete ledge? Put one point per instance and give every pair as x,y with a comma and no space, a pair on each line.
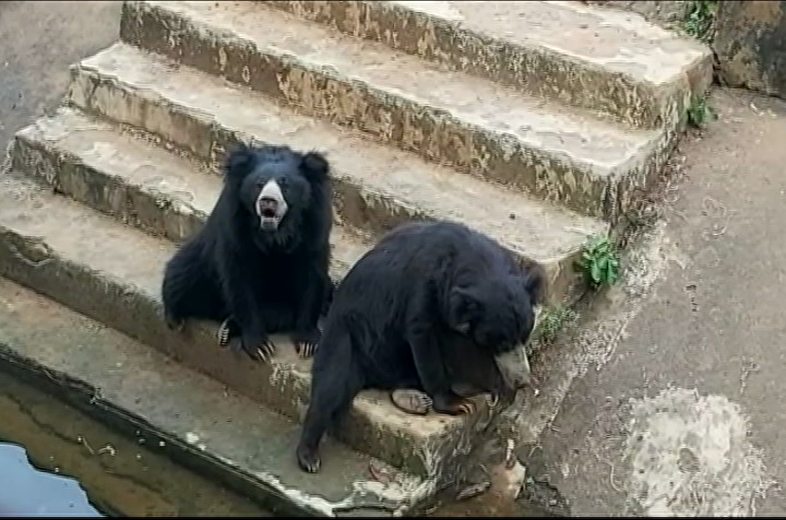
186,415
609,62
375,187
478,127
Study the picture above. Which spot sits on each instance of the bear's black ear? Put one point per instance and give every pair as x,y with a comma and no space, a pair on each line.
535,283
314,166
239,162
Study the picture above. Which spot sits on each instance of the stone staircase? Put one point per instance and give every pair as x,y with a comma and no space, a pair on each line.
531,121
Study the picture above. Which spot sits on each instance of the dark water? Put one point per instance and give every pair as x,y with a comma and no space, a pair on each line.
54,461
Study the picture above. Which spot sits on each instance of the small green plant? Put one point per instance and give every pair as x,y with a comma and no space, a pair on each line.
599,262
700,19
554,320
700,112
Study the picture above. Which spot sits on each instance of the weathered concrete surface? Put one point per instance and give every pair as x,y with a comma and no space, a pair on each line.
184,414
376,186
683,414
112,273
750,41
602,60
471,124
46,37
669,14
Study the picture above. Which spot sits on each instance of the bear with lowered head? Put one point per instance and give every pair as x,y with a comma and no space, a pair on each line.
403,313
260,262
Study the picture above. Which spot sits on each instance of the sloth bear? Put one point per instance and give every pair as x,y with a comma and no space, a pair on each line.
422,291
260,263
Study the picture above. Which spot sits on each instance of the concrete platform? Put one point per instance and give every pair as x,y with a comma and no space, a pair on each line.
610,62
188,416
474,125
112,273
377,187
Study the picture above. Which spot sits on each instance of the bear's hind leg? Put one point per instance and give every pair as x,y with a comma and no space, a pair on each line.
336,381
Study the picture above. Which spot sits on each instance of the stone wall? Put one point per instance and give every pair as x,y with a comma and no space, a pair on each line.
750,42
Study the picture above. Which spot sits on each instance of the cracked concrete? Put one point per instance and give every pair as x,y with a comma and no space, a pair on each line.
678,409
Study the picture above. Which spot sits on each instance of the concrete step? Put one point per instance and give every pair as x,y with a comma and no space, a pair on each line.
139,183
112,273
184,414
604,60
376,186
479,127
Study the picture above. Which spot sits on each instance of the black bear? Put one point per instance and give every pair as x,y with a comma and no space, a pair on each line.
260,263
395,318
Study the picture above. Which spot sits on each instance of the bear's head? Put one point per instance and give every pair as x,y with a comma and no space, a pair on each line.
275,184
497,312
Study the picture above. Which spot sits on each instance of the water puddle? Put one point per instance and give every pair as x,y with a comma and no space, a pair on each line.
57,462
24,486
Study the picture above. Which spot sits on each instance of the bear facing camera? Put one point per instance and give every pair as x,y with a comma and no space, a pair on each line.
433,313
260,263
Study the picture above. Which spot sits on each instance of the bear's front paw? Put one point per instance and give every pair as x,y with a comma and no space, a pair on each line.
306,342
257,347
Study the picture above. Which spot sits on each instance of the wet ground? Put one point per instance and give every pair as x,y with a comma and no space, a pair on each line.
57,462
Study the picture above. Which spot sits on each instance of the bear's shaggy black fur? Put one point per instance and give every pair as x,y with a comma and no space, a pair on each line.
261,261
392,319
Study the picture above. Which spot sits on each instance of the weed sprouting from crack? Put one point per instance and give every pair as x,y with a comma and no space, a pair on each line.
700,19
700,112
599,262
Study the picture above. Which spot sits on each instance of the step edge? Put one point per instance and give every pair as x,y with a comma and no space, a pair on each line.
525,153
377,194
380,10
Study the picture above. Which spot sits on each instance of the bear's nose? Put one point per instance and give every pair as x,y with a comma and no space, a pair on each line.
267,205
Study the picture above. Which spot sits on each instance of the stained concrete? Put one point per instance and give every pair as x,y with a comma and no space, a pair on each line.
610,62
40,40
561,155
677,406
750,41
